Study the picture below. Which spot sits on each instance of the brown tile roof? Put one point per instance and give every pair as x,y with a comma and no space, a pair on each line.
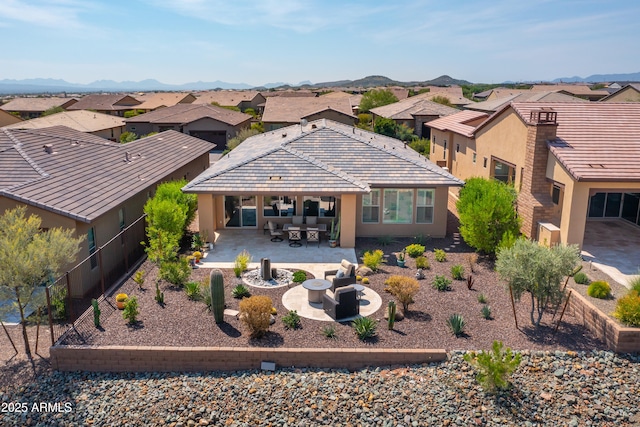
8,119
292,110
323,157
289,93
595,141
577,89
187,113
526,96
229,98
115,102
37,104
82,120
165,99
415,106
458,122
86,175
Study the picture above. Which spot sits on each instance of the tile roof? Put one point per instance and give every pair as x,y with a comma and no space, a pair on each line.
81,120
187,113
323,157
353,99
526,96
595,141
458,122
36,104
164,99
292,110
289,93
226,97
115,102
408,108
577,89
86,175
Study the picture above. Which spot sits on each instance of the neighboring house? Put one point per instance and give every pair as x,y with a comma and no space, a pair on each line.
579,90
95,187
30,108
498,92
570,162
8,119
528,96
209,122
115,105
628,93
414,113
153,101
289,93
286,111
374,184
242,99
102,125
354,100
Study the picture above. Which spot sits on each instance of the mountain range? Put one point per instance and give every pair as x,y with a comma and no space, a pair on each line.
10,86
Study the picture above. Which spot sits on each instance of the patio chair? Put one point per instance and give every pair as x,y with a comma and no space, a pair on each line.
276,235
343,276
312,220
313,236
295,236
297,220
343,304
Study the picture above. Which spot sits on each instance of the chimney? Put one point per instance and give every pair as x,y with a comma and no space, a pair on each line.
48,148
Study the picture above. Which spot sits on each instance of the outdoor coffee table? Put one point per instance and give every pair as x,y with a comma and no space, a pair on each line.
359,289
317,288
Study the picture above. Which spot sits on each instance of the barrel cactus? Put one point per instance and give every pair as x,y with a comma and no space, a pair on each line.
216,284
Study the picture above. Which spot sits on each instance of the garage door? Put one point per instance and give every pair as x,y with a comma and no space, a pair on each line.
216,137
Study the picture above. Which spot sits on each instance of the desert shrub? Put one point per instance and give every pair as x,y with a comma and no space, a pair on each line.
175,272
131,311
206,293
385,240
421,239
404,289
441,283
422,262
299,276
240,291
139,278
581,278
329,331
255,314
291,320
628,309
440,255
472,260
482,299
242,260
415,250
494,367
59,304
634,284
192,289
599,289
365,327
365,280
457,272
456,324
486,312
373,259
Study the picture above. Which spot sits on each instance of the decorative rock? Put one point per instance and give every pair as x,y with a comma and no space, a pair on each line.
364,271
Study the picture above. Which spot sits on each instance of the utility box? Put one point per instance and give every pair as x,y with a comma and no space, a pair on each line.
548,234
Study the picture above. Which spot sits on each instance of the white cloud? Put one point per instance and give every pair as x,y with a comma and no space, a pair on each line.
43,13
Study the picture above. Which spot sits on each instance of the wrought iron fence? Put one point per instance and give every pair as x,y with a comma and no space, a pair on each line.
94,276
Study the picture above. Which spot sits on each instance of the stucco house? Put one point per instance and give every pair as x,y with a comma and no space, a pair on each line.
376,185
495,104
113,104
208,122
571,162
242,99
95,187
7,119
286,111
102,125
32,107
155,100
628,93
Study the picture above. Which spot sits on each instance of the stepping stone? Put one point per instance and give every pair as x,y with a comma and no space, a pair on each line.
230,312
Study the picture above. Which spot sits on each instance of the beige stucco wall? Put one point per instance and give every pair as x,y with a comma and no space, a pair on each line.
111,134
625,95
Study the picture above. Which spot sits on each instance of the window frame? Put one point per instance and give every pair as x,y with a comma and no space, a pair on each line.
387,200
425,206
371,206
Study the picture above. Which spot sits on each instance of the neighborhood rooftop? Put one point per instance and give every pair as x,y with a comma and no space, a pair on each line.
186,113
81,120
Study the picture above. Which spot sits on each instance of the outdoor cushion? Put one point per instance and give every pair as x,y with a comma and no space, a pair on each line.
297,220
340,291
312,220
340,274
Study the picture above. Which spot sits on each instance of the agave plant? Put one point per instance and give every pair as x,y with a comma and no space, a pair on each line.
456,323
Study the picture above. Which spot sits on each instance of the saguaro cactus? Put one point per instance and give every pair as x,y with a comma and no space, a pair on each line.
265,269
96,313
216,284
392,314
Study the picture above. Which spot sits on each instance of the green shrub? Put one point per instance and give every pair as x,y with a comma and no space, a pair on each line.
628,309
581,278
385,240
291,320
599,289
634,284
494,367
404,289
242,260
365,327
299,276
255,314
486,312
456,324
441,283
131,311
440,254
415,250
373,259
457,272
421,239
422,262
139,278
482,299
192,289
59,304
206,294
329,331
175,272
240,291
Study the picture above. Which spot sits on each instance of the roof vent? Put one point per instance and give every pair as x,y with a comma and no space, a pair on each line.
284,135
127,157
543,116
314,126
48,148
275,178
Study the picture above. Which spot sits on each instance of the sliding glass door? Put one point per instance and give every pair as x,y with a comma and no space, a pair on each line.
240,211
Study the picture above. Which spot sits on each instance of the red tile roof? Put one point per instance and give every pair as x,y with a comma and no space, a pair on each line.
458,122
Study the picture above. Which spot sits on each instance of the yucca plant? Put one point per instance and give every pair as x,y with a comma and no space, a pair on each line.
457,324
240,291
329,331
192,289
486,312
365,327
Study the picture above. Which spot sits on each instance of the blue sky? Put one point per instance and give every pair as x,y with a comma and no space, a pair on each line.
263,41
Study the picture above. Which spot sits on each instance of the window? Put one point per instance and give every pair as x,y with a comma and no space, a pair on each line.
91,240
424,205
278,206
605,205
371,207
398,206
555,194
484,163
457,148
324,206
503,171
474,158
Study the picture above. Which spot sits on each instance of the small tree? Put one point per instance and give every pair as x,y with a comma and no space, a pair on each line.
404,289
52,110
540,271
421,145
376,98
494,367
29,257
439,99
385,127
487,211
240,137
127,137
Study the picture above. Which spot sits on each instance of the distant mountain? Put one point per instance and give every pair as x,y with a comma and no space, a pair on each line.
375,81
597,78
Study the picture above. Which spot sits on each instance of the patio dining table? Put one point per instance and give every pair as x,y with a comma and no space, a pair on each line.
304,227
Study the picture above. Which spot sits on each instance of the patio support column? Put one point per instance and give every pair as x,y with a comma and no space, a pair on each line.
348,213
207,215
577,202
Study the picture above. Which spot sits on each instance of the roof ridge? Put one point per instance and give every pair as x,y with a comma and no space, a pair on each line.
25,156
38,131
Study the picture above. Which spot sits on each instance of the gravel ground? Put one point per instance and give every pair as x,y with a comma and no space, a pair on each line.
549,389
